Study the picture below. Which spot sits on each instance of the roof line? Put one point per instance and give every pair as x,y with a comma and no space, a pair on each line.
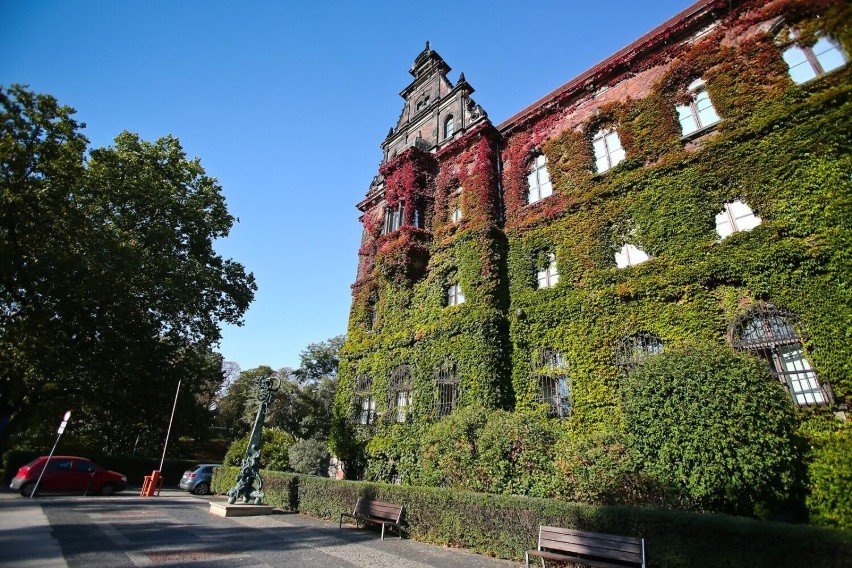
649,37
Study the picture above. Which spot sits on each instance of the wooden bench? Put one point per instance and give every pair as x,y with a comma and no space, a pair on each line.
588,548
379,512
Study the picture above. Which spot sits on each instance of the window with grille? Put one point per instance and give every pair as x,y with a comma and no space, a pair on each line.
399,394
770,333
550,373
538,179
735,217
699,112
447,390
608,150
806,62
548,277
364,403
633,349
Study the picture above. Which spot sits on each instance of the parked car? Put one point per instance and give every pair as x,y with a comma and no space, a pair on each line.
68,473
197,480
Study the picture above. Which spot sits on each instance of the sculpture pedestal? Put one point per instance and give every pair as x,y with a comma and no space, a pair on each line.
239,510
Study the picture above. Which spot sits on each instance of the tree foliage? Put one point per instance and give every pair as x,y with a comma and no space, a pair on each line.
309,456
110,289
274,449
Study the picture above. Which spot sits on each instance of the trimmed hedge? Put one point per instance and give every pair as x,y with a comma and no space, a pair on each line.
135,468
505,526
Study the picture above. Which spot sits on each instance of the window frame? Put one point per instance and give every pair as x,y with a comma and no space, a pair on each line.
552,379
549,276
625,252
537,165
695,90
394,218
815,62
634,349
449,127
603,136
400,382
454,295
364,402
731,221
446,380
777,335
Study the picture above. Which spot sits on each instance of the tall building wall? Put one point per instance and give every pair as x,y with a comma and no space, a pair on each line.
693,186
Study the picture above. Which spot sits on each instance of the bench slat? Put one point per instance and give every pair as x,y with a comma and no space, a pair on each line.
627,548
594,547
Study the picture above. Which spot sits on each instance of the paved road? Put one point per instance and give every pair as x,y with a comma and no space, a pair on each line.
178,530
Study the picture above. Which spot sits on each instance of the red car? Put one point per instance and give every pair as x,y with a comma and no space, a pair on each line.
68,474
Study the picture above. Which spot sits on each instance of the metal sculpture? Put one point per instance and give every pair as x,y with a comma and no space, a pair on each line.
249,473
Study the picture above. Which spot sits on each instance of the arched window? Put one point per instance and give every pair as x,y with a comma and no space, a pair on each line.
633,349
399,394
538,179
364,403
449,127
447,389
550,372
770,334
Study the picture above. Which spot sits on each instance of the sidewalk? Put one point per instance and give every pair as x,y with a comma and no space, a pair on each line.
177,528
26,540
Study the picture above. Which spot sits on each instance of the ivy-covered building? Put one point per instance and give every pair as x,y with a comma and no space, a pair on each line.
695,185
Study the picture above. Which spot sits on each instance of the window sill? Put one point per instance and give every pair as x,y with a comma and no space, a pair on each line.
700,132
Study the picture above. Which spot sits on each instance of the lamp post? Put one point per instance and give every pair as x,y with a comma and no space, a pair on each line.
47,463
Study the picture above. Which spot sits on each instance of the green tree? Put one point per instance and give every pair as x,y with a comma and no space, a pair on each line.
274,449
309,456
110,288
712,425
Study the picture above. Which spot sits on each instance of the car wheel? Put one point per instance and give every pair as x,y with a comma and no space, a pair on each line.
202,489
107,489
27,489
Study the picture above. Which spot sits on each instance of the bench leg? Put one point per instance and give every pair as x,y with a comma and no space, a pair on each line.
383,531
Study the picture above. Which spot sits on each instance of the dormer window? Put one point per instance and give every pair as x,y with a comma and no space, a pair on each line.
807,62
449,127
699,113
608,150
539,180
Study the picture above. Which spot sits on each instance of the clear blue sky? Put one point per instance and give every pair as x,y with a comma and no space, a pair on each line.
286,104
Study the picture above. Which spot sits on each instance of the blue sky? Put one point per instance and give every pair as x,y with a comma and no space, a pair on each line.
286,104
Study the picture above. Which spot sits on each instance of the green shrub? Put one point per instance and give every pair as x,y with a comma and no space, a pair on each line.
449,450
504,526
830,475
309,456
713,425
274,448
600,467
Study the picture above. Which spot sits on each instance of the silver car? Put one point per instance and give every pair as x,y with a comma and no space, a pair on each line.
197,480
